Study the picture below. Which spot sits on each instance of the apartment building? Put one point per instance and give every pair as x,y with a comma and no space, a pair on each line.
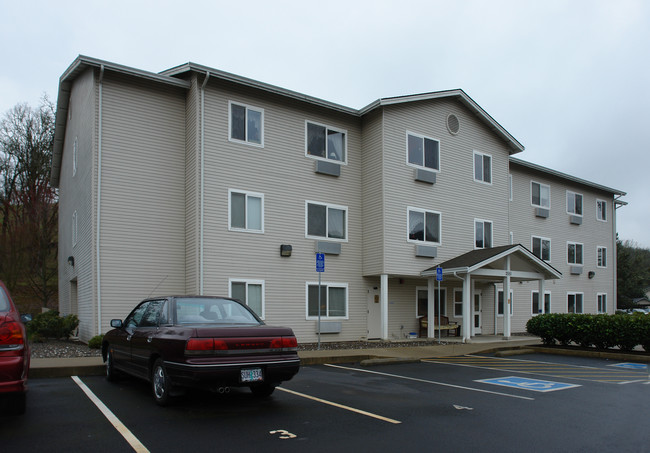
197,181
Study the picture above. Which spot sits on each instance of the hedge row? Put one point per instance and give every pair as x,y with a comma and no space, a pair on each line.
51,325
601,331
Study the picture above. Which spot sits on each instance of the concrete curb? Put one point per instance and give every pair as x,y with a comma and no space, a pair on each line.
388,361
622,356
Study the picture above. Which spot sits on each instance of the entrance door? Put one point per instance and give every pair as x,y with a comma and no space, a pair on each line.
374,313
477,314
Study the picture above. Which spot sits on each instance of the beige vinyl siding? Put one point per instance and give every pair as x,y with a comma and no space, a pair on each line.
455,195
285,176
557,227
373,194
143,194
76,193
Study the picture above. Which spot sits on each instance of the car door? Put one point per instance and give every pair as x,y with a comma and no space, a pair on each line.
121,341
143,335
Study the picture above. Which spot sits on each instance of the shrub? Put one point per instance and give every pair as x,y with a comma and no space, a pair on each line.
96,342
51,325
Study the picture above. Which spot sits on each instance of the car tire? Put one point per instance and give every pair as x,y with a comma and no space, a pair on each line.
160,383
111,373
262,390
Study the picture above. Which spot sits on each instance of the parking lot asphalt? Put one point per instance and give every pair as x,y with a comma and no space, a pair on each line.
93,366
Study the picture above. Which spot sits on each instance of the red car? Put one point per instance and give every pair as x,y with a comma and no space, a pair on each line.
198,341
14,354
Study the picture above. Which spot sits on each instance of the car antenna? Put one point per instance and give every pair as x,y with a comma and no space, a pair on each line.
156,287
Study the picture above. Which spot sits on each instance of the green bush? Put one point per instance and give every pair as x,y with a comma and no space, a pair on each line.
51,325
96,342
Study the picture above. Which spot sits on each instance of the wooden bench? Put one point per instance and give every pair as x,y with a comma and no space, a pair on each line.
443,325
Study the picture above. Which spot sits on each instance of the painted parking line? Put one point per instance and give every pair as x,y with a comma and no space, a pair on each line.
426,381
117,424
341,406
562,371
535,385
631,366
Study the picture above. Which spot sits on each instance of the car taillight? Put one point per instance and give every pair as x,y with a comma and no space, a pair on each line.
204,345
287,343
11,337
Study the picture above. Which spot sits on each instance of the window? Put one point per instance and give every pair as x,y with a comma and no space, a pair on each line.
246,124
482,167
325,142
574,302
540,195
601,210
246,211
574,253
250,292
333,300
422,151
424,226
602,302
422,302
542,248
573,203
326,221
500,302
75,146
482,234
536,309
458,303
74,228
602,256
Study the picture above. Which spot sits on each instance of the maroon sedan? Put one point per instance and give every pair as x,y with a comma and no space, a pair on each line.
196,341
14,354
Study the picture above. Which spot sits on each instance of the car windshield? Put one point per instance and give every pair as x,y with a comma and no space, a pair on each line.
212,311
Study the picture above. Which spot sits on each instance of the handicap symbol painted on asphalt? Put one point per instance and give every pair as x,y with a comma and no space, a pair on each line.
535,385
631,366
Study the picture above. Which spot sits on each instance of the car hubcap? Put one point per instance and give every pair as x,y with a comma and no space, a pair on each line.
159,382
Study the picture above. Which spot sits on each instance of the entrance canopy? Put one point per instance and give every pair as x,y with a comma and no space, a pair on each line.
491,265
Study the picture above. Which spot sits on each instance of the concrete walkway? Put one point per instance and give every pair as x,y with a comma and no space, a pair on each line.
93,366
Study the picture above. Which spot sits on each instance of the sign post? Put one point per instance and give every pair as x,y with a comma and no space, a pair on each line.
320,268
439,279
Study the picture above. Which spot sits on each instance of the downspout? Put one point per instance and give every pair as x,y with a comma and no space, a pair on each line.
99,199
202,182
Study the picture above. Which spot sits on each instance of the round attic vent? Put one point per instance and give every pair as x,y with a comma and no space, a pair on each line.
453,124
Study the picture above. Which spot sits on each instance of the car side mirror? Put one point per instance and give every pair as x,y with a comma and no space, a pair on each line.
26,318
116,323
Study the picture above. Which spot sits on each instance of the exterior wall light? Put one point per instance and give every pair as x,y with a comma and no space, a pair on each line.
71,261
285,250
591,274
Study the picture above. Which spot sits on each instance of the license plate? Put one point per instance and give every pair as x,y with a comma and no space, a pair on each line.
251,375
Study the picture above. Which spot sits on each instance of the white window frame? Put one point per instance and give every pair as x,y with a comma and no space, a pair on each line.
75,148
328,206
423,137
425,212
343,161
458,303
512,298
542,240
550,302
325,316
483,221
541,205
601,302
248,108
248,195
443,306
601,259
249,282
575,294
582,255
601,212
75,228
571,209
483,155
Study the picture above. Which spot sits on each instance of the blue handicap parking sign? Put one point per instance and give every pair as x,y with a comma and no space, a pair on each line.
631,366
536,385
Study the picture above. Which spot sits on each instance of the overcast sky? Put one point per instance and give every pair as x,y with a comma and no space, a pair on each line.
570,80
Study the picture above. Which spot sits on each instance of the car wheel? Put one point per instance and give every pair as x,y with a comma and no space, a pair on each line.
160,384
262,390
111,373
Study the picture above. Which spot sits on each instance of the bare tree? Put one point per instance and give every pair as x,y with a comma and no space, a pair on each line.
28,204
